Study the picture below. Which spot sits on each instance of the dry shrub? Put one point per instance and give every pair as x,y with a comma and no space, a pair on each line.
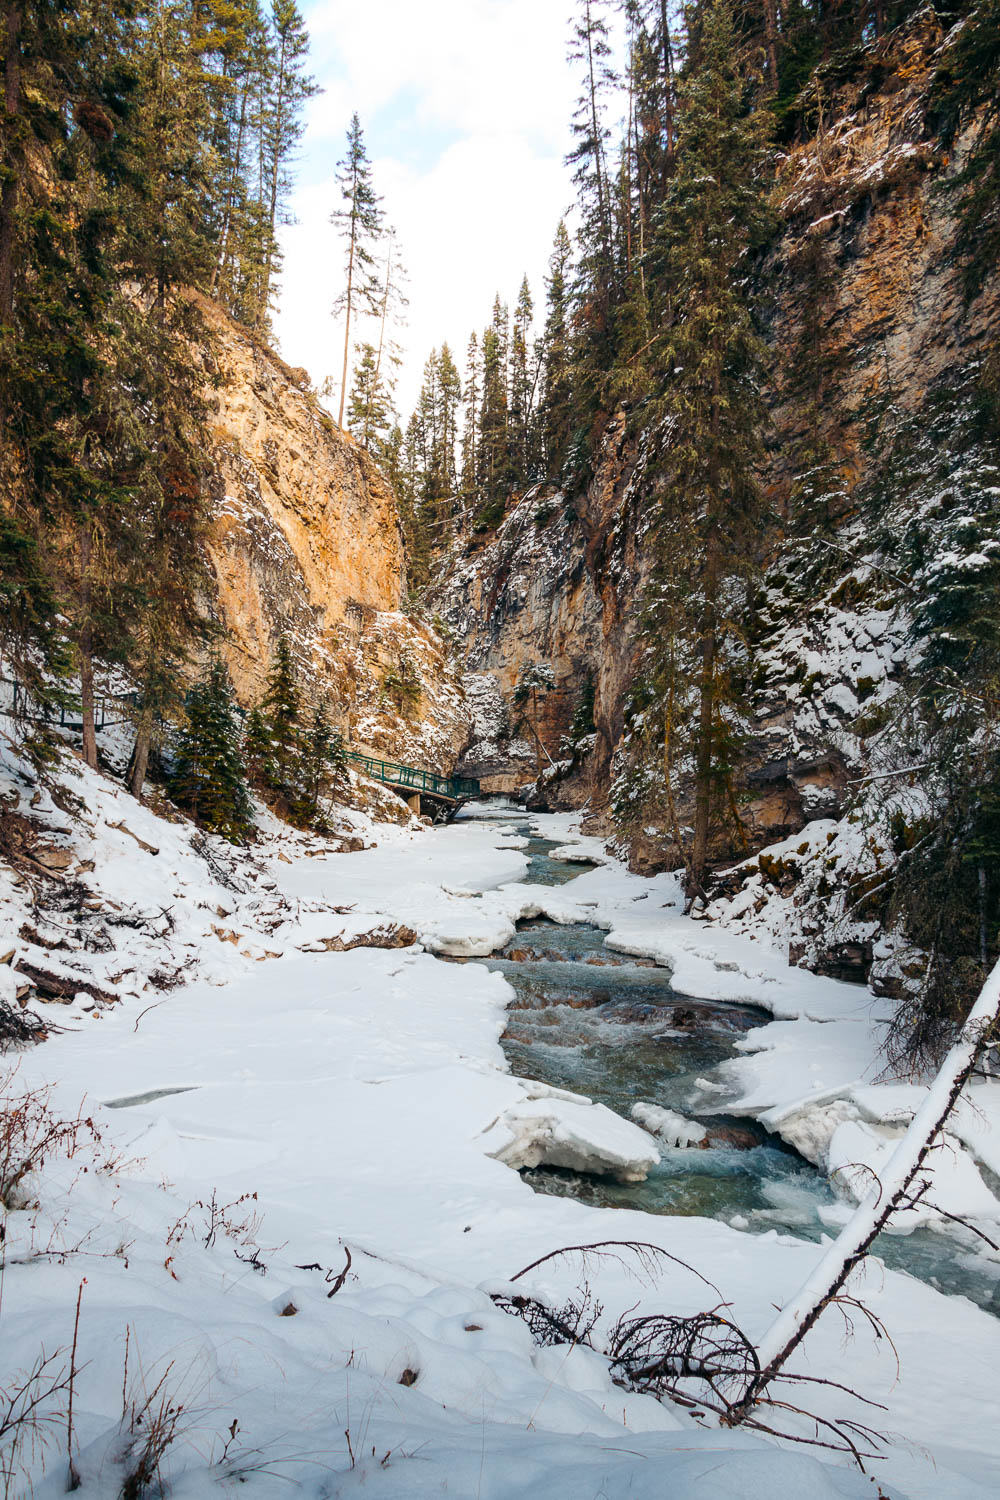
29,1413
154,1420
31,1134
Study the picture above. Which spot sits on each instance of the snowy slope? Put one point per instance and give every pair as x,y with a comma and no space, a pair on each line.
357,1098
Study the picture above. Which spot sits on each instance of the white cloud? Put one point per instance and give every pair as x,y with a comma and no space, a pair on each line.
469,103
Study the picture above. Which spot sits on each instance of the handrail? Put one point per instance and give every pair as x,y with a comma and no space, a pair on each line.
392,773
20,704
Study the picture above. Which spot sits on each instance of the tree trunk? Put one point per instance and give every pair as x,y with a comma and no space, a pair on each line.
771,38
668,77
87,699
12,17
706,719
347,329
218,270
85,646
139,763
279,126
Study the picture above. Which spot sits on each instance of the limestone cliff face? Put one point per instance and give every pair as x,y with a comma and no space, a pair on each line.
557,584
305,540
867,326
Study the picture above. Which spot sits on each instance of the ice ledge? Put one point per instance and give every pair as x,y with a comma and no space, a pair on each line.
554,1128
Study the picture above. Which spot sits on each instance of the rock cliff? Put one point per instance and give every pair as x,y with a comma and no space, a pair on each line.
305,539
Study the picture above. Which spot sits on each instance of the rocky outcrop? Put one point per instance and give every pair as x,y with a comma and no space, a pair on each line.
305,540
558,583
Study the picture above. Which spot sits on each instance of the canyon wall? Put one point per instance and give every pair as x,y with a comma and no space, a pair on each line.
305,540
868,331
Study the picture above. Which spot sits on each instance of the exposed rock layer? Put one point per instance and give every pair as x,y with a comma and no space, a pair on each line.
306,541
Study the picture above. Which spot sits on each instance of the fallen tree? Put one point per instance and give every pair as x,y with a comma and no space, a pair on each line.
903,1184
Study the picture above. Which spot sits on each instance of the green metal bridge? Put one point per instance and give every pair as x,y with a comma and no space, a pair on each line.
447,791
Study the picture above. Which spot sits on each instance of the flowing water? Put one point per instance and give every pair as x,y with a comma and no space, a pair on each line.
609,1026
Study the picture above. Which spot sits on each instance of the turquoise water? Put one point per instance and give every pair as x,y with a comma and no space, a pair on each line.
602,1024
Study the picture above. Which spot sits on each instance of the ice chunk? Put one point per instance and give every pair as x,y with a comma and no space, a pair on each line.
557,1131
670,1127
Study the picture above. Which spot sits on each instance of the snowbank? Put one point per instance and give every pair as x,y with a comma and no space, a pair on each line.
278,1107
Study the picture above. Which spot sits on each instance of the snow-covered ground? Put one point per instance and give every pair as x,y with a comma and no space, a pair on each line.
292,1102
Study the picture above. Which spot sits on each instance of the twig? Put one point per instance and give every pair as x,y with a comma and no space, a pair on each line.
73,1482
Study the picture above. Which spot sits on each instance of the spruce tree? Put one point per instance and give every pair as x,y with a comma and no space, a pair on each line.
321,751
470,422
556,400
493,456
523,377
709,406
282,712
290,88
208,776
370,412
360,223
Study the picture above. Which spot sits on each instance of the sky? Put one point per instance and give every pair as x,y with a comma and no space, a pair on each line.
465,107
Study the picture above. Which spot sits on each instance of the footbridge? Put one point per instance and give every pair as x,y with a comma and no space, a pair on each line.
443,795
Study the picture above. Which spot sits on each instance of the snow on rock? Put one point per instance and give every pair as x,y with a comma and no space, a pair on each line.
811,1127
553,1128
668,1126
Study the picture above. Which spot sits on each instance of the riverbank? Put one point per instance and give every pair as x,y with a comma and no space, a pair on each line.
353,1094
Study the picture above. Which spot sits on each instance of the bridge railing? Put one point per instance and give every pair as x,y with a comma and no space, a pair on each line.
16,702
411,777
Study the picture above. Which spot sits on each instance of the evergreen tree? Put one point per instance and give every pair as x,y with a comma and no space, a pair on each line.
290,88
709,405
523,375
322,760
282,712
392,307
470,423
370,412
557,374
493,466
591,49
361,226
208,777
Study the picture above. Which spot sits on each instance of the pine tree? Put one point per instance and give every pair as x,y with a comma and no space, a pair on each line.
493,465
322,758
208,777
556,402
591,49
709,404
470,424
282,713
290,88
370,412
392,309
523,375
361,226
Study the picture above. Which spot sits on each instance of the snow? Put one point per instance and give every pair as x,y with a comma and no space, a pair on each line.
671,1128
556,1129
362,1097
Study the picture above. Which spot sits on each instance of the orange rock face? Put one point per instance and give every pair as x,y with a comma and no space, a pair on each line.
306,540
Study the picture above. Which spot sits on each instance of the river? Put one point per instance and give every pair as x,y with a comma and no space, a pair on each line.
599,1023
